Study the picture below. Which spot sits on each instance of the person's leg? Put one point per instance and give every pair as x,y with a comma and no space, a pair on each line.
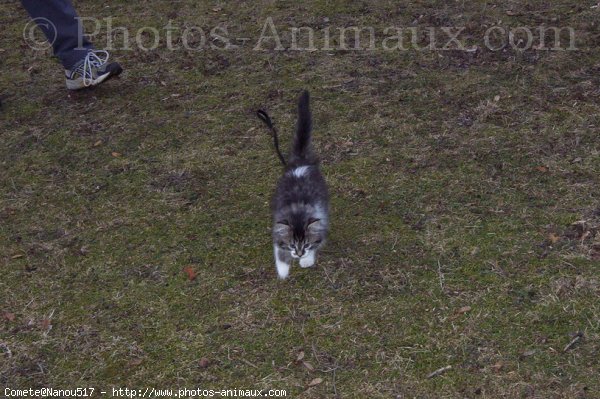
84,66
63,32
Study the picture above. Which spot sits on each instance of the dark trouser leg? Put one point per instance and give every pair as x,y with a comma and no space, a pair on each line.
66,42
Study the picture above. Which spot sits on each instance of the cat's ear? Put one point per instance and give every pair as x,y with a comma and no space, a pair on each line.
314,225
312,221
282,227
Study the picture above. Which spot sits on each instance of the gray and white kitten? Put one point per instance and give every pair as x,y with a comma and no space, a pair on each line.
301,202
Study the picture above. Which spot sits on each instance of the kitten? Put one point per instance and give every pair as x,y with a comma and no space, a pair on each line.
301,202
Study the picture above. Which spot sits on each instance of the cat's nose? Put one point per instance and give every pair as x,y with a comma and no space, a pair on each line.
300,253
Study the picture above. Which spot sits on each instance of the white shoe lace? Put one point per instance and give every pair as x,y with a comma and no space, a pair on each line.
93,59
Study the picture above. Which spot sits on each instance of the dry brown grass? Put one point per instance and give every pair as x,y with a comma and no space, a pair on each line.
465,211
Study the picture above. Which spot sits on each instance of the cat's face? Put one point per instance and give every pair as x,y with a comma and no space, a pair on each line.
299,238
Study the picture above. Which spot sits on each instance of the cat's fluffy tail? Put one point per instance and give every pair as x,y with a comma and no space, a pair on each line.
302,149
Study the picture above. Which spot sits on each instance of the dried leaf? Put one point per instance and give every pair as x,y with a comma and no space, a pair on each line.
541,168
204,363
135,362
497,98
463,310
46,324
554,238
17,256
8,316
315,382
585,235
115,154
300,356
497,366
528,353
98,143
189,271
308,366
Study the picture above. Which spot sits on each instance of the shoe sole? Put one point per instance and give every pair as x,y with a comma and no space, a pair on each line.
77,84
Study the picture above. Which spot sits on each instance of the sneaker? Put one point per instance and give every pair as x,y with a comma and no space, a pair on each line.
92,70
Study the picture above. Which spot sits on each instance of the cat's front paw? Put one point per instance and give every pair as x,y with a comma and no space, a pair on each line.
283,269
308,261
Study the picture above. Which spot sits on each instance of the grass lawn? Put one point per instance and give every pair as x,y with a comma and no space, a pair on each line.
465,207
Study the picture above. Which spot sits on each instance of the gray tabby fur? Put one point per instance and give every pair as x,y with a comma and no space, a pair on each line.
300,204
